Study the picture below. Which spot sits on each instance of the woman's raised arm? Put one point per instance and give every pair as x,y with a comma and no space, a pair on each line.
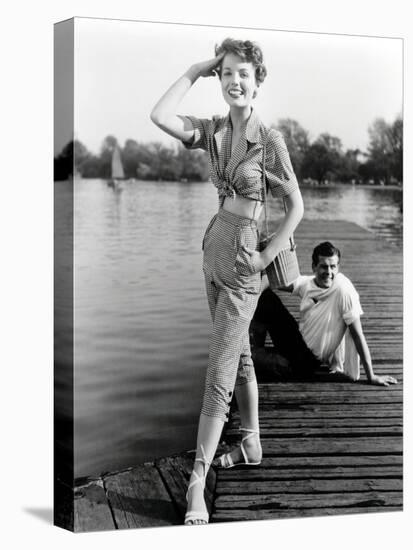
164,113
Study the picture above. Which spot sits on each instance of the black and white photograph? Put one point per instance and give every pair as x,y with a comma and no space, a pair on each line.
205,303
231,347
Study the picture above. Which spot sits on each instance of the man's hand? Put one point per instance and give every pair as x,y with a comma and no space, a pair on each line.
382,380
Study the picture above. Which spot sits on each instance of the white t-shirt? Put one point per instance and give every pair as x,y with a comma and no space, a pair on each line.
324,317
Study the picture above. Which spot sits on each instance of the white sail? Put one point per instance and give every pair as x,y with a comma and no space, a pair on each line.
117,167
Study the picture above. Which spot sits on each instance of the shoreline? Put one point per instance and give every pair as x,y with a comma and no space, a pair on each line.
332,185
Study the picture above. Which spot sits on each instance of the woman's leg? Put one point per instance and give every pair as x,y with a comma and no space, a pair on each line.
246,393
230,328
247,399
209,433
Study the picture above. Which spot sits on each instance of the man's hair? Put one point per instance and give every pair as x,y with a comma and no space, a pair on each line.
248,51
325,249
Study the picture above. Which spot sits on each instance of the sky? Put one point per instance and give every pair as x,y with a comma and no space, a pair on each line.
327,82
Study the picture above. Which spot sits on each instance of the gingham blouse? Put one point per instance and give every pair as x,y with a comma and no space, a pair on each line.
241,172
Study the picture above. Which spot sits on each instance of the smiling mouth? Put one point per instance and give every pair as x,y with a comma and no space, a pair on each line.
235,93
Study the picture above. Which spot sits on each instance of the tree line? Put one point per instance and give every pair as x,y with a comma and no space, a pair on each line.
319,161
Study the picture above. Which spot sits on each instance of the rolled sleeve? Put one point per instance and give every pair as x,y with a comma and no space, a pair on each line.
300,284
351,307
279,171
202,128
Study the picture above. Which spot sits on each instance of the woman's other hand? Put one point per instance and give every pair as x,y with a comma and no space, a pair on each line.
257,259
262,259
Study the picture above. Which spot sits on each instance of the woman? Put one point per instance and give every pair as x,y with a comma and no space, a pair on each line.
232,263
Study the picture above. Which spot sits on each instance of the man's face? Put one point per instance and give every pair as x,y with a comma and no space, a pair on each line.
325,270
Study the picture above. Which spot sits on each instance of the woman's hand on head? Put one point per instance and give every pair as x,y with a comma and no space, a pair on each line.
209,67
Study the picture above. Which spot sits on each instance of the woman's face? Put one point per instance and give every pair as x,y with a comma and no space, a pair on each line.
238,82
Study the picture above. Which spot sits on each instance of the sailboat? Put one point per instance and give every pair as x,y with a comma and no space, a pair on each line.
118,173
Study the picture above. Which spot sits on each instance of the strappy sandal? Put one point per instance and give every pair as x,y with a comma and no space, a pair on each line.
225,460
193,516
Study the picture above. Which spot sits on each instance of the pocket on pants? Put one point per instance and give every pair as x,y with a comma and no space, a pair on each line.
208,229
243,261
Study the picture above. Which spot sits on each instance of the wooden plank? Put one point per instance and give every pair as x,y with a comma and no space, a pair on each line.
325,461
343,410
340,391
311,422
338,407
306,402
307,486
332,445
300,501
175,472
139,498
250,515
310,399
332,387
328,431
338,472
92,511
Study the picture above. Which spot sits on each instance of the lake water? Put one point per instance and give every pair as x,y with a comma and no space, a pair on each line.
141,317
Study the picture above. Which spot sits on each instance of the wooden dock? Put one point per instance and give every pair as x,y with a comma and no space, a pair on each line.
329,447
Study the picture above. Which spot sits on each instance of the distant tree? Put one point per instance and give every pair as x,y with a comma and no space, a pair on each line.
332,143
130,156
81,156
297,141
144,171
109,143
349,166
91,167
193,165
385,150
164,164
369,171
396,138
323,158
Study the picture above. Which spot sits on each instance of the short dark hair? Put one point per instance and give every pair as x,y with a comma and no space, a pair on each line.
325,249
248,51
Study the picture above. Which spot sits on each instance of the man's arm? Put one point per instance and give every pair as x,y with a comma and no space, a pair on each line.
357,334
265,284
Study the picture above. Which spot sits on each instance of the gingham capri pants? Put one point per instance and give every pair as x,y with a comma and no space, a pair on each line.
232,287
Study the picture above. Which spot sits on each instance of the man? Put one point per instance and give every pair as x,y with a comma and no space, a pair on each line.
329,333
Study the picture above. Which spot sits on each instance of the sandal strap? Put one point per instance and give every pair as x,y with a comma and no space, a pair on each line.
203,459
250,434
248,430
226,460
199,478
